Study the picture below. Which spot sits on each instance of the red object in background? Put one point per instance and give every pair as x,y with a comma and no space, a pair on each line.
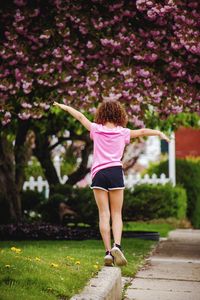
187,142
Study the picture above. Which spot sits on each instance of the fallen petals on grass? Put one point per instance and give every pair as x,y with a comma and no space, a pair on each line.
16,250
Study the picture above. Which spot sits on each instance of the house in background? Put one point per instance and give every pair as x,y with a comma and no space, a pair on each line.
187,142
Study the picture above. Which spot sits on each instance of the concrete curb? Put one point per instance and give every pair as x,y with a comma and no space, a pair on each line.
107,285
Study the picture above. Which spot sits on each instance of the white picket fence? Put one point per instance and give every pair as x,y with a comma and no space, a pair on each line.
131,180
41,185
38,184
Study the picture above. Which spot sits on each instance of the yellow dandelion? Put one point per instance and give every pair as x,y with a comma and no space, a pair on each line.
54,265
37,259
7,266
16,250
96,266
77,262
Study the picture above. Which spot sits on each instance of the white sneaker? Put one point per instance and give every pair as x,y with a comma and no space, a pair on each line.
108,259
119,257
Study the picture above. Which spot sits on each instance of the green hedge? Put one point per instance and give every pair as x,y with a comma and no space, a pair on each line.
80,200
188,176
146,202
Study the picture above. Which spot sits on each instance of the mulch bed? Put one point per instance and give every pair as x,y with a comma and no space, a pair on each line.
47,231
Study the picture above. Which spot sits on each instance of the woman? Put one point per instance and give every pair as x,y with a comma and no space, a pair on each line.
109,136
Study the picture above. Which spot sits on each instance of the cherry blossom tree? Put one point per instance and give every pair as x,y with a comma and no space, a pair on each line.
143,53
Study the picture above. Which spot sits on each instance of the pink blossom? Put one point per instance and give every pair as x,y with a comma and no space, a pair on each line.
147,82
67,58
80,65
24,115
90,45
143,73
67,78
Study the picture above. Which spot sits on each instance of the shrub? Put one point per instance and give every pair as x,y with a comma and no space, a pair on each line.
78,200
148,202
31,199
188,176
31,202
34,169
84,204
50,209
145,202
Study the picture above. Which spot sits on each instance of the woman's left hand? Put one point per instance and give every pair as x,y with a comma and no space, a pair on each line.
56,103
164,137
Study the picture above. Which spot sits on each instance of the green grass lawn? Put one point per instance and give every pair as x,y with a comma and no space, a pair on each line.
58,269
162,228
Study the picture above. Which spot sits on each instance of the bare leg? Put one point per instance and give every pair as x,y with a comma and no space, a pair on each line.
102,201
116,202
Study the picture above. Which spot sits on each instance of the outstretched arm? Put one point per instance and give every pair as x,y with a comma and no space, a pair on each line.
76,114
148,132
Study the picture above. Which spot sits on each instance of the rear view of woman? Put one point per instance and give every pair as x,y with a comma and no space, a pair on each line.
109,135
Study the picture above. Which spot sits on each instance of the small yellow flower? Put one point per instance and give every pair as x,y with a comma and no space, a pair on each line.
16,250
54,265
37,259
77,262
7,266
96,266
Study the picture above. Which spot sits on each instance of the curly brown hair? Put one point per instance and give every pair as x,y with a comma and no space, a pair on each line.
111,111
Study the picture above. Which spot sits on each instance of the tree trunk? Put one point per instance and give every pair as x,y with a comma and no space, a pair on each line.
82,170
8,187
22,152
43,154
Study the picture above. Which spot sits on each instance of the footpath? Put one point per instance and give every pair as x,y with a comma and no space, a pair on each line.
172,272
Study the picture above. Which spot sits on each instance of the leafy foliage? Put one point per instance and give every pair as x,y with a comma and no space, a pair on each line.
188,175
146,202
143,53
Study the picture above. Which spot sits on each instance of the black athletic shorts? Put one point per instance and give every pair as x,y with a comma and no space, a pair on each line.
111,178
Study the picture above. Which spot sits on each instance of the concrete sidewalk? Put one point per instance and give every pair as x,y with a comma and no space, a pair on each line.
173,270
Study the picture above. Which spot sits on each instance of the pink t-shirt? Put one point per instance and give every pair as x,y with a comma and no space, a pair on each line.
109,146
